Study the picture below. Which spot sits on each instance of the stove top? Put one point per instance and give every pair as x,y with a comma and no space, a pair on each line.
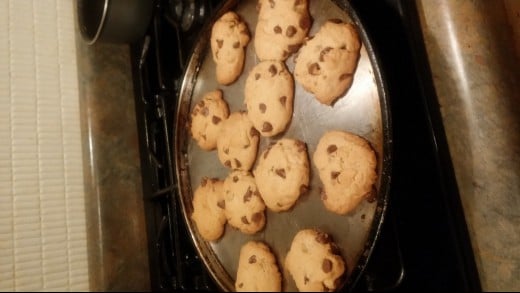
424,243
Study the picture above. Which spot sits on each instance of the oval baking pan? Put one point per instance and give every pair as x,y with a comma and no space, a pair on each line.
362,110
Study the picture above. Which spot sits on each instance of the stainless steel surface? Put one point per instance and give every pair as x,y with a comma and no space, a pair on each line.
362,110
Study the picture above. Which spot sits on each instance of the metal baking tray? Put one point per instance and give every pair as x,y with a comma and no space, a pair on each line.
362,110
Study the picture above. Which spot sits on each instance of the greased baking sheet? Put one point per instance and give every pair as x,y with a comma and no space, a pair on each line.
363,110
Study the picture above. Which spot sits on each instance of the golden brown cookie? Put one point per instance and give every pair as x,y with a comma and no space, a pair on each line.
206,118
257,269
229,37
237,142
346,165
314,262
269,95
244,207
282,173
281,28
208,209
326,63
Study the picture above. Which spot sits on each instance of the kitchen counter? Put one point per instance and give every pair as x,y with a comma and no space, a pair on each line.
474,65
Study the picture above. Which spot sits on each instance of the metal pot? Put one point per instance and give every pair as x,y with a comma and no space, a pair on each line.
113,21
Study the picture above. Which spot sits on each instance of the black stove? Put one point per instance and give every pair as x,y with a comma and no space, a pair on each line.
424,243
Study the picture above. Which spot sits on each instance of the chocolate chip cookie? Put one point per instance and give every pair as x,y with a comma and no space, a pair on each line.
208,208
326,63
314,262
229,38
269,95
206,118
257,269
281,28
237,142
346,166
282,173
244,207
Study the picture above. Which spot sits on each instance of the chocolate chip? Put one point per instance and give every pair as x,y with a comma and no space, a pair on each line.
285,54
248,195
271,3
291,31
257,217
280,172
236,45
323,195
205,111
262,107
305,23
204,181
221,204
324,52
266,127
303,189
314,69
257,76
235,178
334,175
344,76
294,47
227,164
305,280
200,103
203,137
220,43
226,151
252,259
240,285
331,148
244,220
215,119
323,238
336,20
237,162
253,132
283,100
300,146
326,266
272,70
334,249
277,29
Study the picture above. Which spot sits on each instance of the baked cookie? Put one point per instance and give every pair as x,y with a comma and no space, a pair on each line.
206,118
229,37
208,208
314,262
257,269
237,142
281,28
269,95
245,209
326,63
282,173
346,166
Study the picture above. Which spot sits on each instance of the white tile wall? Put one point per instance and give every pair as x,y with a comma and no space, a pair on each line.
42,212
